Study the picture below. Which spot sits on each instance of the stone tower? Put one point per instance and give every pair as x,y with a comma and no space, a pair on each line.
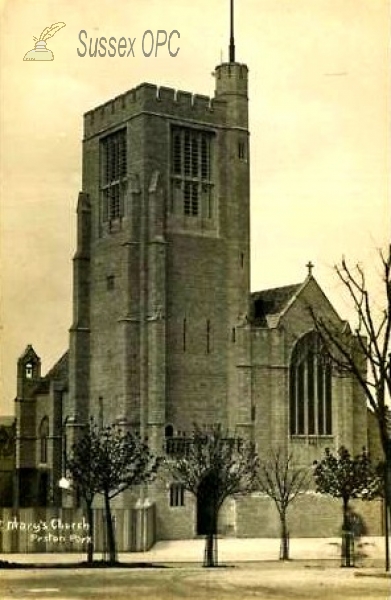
161,271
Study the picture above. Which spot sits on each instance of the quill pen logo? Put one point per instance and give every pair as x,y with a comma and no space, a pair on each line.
40,52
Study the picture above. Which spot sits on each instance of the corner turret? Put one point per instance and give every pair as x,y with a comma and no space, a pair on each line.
232,83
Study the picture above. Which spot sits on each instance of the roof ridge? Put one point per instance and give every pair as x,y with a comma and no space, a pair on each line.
281,287
273,301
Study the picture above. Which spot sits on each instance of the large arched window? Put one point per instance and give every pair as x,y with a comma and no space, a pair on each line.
43,440
310,388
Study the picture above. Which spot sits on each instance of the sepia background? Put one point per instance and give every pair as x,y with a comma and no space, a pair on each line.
319,121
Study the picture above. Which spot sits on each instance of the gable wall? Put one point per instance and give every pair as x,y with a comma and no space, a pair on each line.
271,353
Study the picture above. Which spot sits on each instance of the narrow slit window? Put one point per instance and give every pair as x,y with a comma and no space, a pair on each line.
242,150
184,334
208,332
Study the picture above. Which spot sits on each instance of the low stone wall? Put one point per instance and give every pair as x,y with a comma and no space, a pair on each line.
32,530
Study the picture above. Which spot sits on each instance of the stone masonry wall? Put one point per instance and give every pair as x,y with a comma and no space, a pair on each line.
309,516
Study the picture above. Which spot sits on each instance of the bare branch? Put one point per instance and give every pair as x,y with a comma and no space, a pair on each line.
354,354
280,480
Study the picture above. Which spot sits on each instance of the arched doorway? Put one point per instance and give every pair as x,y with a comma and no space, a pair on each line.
206,499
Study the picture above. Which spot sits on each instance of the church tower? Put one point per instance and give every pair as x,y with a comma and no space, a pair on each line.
161,272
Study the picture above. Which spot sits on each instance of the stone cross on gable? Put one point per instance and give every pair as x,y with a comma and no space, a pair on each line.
309,266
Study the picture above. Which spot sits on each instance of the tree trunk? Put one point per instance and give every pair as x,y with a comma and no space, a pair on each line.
345,514
347,555
284,549
211,559
110,531
90,543
209,562
387,502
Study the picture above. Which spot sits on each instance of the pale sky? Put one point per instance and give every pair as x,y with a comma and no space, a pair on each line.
319,121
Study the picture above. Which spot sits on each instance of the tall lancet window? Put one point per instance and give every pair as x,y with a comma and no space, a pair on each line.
310,388
113,169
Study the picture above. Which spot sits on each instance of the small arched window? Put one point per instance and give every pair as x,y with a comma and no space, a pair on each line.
29,370
310,388
43,440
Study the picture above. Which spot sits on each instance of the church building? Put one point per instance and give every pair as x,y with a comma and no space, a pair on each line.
165,330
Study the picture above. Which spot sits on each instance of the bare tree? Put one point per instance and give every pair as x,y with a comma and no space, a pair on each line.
370,346
282,482
366,354
220,466
107,461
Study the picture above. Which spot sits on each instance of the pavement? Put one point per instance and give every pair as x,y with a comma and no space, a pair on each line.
369,551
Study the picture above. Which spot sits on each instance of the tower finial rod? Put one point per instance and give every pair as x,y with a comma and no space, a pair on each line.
232,39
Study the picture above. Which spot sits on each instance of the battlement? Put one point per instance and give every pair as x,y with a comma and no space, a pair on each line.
155,99
239,70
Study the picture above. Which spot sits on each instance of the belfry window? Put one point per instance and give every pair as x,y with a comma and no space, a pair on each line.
310,388
113,157
191,173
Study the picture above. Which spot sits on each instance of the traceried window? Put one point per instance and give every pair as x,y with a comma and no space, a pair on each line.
191,173
43,440
310,388
113,156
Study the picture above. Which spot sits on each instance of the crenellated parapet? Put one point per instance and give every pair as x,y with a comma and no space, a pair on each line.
231,78
154,99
